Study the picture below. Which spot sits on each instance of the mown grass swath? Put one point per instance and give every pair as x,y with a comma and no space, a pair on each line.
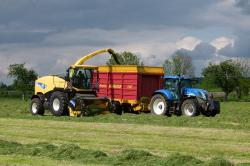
76,154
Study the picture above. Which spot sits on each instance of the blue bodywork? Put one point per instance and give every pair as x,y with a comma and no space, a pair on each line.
177,89
201,93
188,92
185,91
167,94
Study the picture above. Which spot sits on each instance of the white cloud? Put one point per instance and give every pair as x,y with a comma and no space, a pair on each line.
222,42
188,43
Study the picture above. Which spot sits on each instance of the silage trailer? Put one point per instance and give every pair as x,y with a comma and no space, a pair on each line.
129,87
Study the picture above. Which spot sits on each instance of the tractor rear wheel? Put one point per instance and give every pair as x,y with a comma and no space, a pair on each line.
158,105
36,107
189,108
58,104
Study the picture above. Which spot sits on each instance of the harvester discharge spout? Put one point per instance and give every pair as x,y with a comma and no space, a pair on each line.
82,60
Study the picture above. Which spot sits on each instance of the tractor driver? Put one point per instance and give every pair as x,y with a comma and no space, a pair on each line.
80,79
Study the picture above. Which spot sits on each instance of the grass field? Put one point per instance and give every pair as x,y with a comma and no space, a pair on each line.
128,139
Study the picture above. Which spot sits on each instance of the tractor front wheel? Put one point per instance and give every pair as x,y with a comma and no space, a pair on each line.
158,105
189,108
58,104
36,107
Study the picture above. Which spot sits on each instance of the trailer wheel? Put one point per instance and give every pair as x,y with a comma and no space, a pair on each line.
116,107
158,105
189,108
58,104
36,107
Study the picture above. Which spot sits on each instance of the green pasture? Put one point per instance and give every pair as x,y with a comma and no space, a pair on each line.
126,139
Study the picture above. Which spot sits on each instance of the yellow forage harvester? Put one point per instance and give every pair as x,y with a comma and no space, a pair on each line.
73,94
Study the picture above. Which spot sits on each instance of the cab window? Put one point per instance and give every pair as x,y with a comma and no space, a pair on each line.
81,78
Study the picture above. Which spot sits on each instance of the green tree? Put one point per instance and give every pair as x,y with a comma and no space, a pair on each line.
244,64
225,75
243,88
244,84
23,78
3,86
125,58
179,64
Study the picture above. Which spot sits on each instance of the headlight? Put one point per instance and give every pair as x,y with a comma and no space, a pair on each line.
203,95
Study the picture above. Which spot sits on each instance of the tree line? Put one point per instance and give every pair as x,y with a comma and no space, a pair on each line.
229,75
23,79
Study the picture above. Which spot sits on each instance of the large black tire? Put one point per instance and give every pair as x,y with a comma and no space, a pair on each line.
116,107
58,104
158,105
207,113
190,108
213,113
36,107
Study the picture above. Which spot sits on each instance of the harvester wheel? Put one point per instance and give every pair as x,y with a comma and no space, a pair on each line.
58,104
158,105
189,108
36,107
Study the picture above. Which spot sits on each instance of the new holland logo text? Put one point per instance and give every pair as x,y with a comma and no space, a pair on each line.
41,85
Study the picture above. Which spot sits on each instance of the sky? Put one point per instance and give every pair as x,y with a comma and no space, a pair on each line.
50,35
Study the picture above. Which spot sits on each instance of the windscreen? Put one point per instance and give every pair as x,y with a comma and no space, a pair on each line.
81,78
171,84
189,83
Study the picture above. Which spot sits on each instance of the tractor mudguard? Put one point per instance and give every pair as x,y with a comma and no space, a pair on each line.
166,93
34,96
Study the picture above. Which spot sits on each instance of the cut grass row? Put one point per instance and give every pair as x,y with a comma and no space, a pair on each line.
111,138
69,154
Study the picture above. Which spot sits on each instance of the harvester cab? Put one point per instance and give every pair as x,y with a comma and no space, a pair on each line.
74,94
81,77
179,96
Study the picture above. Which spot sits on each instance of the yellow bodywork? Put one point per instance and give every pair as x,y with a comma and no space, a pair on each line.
48,83
73,112
82,60
132,69
137,105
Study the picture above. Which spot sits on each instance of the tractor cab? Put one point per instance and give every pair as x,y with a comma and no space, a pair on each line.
81,77
178,85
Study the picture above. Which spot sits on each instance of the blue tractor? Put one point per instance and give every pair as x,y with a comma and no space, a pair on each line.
180,97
